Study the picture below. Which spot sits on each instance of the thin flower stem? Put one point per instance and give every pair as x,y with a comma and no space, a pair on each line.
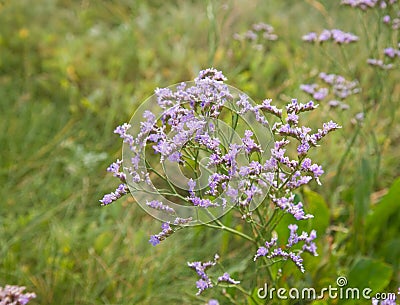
235,119
242,290
271,218
267,267
212,33
344,156
259,235
161,176
342,51
277,221
233,231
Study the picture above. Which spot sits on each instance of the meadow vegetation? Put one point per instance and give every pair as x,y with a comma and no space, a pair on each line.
71,71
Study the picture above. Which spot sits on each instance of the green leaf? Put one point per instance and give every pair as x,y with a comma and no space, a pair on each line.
315,204
379,218
370,273
366,273
362,193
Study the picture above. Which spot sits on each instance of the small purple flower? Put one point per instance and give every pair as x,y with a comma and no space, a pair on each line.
250,193
262,251
266,106
113,196
202,203
271,249
360,116
308,88
166,231
154,240
292,119
175,157
336,35
386,19
165,226
297,260
334,103
310,37
325,35
204,282
287,204
249,143
320,94
192,185
12,294
214,181
250,35
244,104
115,169
227,278
182,221
379,63
157,205
213,302
232,193
212,74
362,4
341,37
230,158
203,285
303,148
390,52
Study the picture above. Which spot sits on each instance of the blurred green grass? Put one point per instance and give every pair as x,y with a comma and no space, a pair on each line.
70,71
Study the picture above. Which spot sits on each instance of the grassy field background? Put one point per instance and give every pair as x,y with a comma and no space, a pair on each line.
71,71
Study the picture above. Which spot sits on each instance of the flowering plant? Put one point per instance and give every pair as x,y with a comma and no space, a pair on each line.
205,149
14,295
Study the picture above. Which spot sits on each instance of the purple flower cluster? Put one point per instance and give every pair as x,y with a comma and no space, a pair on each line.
166,231
121,190
365,4
379,63
115,169
383,302
335,35
393,22
188,124
299,171
13,295
271,249
185,113
227,278
337,91
204,282
257,35
157,205
259,30
391,54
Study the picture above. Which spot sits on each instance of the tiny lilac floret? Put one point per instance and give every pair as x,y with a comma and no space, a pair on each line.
227,278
